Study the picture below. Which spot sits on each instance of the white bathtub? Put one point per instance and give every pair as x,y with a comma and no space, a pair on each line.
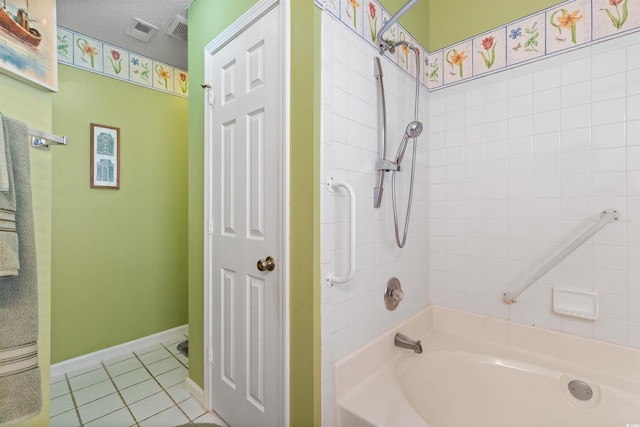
478,371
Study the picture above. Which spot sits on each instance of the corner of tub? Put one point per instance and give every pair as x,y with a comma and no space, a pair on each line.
355,367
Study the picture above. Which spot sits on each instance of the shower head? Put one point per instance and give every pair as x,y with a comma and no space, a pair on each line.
414,129
384,44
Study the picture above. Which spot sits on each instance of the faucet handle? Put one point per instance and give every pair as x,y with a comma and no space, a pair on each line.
397,295
393,294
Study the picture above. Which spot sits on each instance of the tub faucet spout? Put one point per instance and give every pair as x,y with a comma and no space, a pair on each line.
404,341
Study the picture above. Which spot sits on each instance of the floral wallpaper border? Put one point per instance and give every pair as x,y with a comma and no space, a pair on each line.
93,55
560,28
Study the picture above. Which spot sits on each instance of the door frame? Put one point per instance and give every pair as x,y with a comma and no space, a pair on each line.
230,33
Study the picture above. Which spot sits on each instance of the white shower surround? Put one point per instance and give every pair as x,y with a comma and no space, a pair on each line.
519,164
353,313
523,162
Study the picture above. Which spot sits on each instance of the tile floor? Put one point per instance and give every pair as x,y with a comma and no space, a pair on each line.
144,388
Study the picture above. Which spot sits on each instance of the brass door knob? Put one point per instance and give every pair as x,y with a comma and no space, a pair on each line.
267,264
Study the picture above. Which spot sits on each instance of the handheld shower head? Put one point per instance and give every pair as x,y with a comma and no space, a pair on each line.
414,129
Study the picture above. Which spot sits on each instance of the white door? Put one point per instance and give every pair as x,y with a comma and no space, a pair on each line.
243,173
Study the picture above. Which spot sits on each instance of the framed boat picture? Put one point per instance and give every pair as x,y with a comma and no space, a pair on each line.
28,41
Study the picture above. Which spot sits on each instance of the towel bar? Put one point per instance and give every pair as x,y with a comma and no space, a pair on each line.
41,139
606,216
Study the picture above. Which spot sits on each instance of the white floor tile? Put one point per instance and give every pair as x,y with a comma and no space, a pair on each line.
182,358
192,408
58,378
140,391
210,417
99,408
155,356
58,389
124,366
173,343
61,404
119,359
101,390
148,349
130,378
93,392
119,418
164,365
87,379
173,377
66,419
151,405
167,418
178,393
172,349
85,370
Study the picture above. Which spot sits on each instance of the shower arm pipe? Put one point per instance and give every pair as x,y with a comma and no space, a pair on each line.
384,45
332,278
606,216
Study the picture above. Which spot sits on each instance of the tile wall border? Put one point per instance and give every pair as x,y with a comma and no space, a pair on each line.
558,29
89,54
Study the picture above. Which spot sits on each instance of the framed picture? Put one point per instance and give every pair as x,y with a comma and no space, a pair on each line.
105,156
28,41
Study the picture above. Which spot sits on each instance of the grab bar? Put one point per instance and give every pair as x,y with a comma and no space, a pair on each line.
332,278
606,216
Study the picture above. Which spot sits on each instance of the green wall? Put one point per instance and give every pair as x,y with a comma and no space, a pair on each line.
33,106
414,20
304,217
119,256
451,22
440,23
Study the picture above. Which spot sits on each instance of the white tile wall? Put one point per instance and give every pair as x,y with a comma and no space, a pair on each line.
511,168
559,144
353,313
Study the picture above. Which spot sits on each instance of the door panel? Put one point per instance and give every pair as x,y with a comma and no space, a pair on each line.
228,327
243,152
255,342
228,200
256,178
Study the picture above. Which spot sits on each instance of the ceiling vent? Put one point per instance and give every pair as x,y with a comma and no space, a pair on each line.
138,29
178,28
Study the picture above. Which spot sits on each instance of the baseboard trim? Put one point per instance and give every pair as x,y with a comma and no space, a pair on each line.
195,391
89,359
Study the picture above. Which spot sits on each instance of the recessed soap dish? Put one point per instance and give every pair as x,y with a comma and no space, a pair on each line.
577,303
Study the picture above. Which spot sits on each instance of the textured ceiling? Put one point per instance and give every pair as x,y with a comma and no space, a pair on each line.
108,20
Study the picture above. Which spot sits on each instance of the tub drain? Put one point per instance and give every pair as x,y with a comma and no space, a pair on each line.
580,390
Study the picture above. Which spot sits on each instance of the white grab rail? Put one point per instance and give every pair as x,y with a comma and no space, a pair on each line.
332,278
606,216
